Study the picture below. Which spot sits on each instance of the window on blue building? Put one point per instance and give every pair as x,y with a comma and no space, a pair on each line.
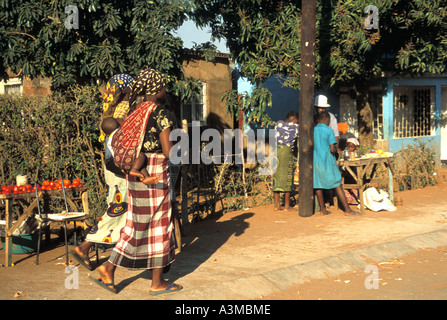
413,111
376,104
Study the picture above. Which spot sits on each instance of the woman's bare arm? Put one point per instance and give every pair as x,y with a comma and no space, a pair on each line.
332,147
166,144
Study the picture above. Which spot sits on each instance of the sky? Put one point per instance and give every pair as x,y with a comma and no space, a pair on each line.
190,33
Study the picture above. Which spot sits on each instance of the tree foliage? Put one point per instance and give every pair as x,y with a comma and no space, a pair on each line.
253,105
113,37
264,37
54,137
411,39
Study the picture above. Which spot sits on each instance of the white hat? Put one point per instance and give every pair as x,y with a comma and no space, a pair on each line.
321,101
354,141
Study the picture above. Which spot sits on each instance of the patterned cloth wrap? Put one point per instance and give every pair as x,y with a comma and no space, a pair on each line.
147,240
108,228
115,91
286,133
128,138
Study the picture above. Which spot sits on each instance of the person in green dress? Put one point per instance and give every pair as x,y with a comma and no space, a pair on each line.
286,135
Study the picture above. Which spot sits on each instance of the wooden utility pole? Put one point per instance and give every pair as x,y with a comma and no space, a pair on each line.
306,111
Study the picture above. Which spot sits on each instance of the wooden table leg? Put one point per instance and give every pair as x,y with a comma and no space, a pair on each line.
362,204
391,180
84,198
391,183
361,176
8,239
23,217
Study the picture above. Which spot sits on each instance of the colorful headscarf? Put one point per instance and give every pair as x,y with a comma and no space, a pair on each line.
342,127
115,90
148,81
121,80
114,87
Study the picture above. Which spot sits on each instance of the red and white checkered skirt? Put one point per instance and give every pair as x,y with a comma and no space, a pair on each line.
147,240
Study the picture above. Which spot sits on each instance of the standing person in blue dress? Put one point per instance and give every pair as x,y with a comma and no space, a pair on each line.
326,173
321,104
286,136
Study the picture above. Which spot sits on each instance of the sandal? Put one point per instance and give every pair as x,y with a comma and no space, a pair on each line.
352,214
104,285
167,290
81,260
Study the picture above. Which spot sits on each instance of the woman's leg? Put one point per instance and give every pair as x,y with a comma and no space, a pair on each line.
344,202
107,273
276,201
83,249
320,198
80,253
159,284
286,201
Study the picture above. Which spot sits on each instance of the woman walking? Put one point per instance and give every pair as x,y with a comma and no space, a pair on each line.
107,230
147,240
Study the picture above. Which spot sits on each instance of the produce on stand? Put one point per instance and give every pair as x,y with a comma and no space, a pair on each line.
46,185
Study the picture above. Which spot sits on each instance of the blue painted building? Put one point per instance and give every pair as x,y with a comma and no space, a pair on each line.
404,109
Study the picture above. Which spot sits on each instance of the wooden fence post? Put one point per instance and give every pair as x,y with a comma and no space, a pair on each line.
184,185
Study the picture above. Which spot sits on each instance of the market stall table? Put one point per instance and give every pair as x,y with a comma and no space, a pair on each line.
364,172
46,195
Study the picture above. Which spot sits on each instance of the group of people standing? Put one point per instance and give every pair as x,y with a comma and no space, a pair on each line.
136,124
139,222
326,174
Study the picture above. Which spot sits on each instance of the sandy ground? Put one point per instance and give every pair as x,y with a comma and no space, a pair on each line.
419,276
244,243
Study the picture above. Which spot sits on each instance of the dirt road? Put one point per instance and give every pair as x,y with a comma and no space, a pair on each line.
420,276
247,254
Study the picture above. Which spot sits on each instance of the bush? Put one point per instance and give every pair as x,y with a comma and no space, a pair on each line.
416,166
54,137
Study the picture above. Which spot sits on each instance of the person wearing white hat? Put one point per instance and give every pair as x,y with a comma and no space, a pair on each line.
321,104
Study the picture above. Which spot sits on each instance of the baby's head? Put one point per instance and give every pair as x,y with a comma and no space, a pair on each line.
324,118
109,125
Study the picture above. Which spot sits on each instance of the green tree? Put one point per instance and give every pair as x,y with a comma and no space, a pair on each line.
38,38
411,39
264,37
